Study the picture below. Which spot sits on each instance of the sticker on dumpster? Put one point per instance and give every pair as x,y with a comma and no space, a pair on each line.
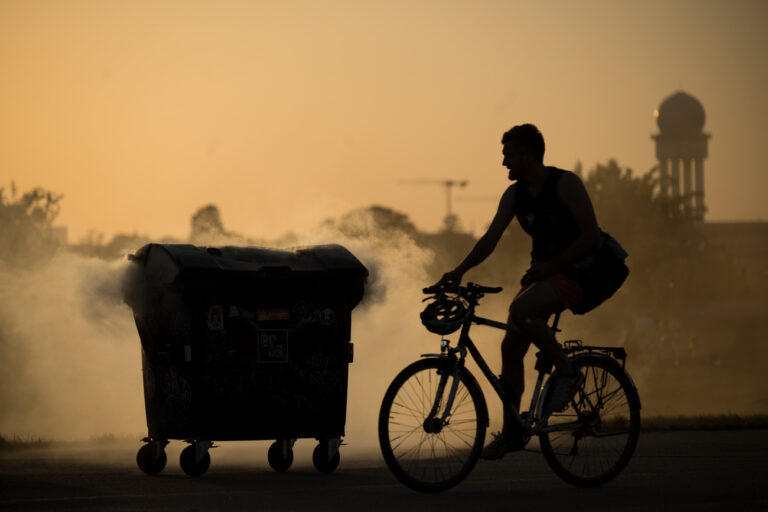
327,316
215,318
304,312
273,346
273,315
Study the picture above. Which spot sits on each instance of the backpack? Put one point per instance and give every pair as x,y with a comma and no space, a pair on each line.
602,274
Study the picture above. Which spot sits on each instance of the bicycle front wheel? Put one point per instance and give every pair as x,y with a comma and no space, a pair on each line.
593,439
423,452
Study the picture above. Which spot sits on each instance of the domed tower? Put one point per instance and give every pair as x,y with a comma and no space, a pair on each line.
682,143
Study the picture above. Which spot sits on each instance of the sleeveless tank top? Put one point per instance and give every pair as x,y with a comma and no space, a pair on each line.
546,218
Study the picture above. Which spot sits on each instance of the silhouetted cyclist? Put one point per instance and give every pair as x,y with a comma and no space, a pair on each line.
570,268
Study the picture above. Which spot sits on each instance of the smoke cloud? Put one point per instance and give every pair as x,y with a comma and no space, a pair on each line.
71,357
72,364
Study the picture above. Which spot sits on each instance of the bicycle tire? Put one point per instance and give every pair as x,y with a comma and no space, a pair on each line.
607,409
431,462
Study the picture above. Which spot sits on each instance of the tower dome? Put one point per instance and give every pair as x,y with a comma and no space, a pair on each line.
681,115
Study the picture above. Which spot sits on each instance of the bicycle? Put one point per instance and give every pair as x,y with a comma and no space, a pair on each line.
434,416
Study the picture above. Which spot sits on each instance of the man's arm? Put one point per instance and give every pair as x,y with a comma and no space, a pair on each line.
487,243
572,192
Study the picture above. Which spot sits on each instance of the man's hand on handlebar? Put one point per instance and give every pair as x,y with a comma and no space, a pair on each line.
449,279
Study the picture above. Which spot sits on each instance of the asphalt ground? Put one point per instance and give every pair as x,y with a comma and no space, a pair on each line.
684,470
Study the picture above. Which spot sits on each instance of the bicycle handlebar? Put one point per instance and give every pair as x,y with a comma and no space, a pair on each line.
438,289
488,289
471,287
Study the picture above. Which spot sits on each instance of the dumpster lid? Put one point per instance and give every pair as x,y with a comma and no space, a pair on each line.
183,263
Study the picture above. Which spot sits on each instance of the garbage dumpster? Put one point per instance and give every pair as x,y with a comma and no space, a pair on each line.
244,344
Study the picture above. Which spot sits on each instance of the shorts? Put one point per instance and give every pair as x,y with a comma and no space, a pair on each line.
569,291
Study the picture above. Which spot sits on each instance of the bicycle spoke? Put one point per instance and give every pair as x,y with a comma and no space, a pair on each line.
413,412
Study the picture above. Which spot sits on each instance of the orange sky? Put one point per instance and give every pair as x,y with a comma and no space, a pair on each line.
286,112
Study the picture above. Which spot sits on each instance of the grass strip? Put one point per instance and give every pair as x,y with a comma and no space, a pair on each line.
703,422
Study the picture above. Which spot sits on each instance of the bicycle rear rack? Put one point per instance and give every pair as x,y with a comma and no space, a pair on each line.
576,346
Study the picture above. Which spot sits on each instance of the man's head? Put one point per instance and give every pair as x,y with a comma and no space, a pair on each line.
523,149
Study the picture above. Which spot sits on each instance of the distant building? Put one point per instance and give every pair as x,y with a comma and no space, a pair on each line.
681,147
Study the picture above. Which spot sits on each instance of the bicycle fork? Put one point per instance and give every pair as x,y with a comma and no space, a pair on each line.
433,424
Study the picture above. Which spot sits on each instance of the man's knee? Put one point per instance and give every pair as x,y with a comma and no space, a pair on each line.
519,316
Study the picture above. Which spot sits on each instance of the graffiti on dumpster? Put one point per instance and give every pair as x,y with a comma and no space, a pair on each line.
253,387
304,313
321,375
248,387
300,390
220,347
176,389
303,404
327,316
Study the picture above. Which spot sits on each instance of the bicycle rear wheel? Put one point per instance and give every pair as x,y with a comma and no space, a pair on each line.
429,456
593,439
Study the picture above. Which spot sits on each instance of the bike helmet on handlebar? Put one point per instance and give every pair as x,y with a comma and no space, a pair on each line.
444,315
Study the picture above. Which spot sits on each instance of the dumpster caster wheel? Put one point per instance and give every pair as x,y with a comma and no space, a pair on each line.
190,466
322,461
147,463
280,455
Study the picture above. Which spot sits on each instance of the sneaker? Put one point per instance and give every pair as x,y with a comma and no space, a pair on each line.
501,445
563,392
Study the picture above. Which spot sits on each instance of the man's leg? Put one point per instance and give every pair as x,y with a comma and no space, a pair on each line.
529,313
513,349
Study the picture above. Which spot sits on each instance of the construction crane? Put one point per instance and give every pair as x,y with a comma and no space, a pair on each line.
450,221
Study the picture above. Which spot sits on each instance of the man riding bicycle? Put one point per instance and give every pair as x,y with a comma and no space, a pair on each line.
568,269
